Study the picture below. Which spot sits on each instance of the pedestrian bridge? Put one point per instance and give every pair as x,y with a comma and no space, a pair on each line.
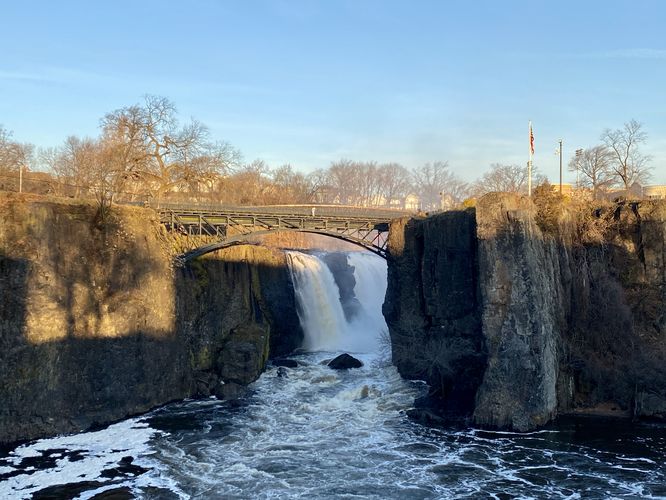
366,228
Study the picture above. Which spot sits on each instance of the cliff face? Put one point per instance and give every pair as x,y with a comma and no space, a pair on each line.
519,278
557,314
95,325
432,306
614,345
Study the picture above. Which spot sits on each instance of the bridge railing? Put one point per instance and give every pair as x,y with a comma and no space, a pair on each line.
367,231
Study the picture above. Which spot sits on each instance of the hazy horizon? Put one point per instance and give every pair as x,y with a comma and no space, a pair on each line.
308,83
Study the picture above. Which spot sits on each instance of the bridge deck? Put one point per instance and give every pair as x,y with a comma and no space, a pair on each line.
365,230
210,223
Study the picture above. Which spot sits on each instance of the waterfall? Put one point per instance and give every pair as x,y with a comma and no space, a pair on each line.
320,310
318,299
370,273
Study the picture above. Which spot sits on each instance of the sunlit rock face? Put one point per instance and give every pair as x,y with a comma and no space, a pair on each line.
96,324
520,290
513,321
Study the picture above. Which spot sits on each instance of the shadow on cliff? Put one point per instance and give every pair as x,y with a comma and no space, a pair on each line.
96,326
571,318
220,292
610,306
78,344
13,311
515,317
99,281
432,308
57,381
614,349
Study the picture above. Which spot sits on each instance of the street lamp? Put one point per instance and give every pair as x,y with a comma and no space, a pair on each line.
579,154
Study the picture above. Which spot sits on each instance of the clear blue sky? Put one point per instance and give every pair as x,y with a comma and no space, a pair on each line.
308,82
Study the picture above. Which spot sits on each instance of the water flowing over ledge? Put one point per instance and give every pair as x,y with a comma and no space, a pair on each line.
322,313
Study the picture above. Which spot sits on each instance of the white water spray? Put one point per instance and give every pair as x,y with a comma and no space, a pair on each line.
370,273
320,310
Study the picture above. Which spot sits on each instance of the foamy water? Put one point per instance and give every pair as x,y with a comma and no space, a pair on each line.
320,433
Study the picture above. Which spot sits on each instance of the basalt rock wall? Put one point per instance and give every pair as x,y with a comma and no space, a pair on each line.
515,313
432,306
96,324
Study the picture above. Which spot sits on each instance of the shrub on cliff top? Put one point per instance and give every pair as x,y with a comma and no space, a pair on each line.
549,208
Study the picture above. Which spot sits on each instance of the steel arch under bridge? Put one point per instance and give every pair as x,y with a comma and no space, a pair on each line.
369,232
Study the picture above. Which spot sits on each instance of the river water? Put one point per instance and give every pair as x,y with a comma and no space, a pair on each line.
319,433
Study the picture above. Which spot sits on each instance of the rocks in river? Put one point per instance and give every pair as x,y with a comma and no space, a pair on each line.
426,416
282,372
230,390
287,363
344,362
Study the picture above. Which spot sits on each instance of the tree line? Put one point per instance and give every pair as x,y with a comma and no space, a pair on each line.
616,162
145,153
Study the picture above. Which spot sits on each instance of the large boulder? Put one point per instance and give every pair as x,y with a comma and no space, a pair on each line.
344,362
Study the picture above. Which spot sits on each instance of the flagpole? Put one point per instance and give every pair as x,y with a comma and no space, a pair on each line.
529,163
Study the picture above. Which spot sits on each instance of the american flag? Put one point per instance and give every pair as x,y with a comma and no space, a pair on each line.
531,139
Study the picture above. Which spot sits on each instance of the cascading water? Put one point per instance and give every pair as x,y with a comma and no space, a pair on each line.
370,289
320,309
320,433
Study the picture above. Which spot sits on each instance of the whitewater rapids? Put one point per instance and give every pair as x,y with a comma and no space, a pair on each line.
320,433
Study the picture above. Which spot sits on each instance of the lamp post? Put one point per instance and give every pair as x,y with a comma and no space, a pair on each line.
579,154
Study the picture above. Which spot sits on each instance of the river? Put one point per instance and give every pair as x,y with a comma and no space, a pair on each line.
320,433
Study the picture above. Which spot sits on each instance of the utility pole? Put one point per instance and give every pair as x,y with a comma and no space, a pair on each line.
560,151
529,163
20,178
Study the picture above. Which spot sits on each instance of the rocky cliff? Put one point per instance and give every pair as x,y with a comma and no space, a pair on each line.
514,312
432,306
96,325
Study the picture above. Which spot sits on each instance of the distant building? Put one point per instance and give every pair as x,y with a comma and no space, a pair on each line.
656,192
412,202
567,188
446,201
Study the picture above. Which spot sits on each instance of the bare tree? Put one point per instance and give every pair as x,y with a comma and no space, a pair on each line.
595,166
320,190
435,184
73,163
505,178
342,179
455,192
289,186
249,184
13,154
395,182
162,153
628,164
48,158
